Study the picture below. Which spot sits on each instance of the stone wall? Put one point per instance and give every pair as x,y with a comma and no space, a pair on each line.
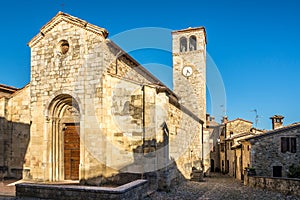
286,186
237,126
246,153
185,141
14,132
134,191
266,152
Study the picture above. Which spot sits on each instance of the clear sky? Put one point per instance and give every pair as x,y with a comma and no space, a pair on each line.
254,44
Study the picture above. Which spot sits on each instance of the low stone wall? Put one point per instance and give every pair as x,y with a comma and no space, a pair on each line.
284,185
134,190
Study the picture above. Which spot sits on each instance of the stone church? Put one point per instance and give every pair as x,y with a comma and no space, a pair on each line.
92,113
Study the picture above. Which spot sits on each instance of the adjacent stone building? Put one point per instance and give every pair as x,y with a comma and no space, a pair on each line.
273,152
231,130
92,113
211,144
14,130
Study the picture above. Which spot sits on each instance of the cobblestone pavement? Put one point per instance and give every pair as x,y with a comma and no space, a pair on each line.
217,187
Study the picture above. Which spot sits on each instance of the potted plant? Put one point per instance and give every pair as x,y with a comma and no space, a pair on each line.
250,171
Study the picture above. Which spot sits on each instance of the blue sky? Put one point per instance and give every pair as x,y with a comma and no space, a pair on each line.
254,44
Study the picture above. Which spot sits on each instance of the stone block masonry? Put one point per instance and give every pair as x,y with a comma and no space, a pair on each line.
287,186
134,191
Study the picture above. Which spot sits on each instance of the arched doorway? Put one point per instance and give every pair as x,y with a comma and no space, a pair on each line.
64,128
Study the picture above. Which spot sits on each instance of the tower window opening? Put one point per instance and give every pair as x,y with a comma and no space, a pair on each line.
193,43
183,44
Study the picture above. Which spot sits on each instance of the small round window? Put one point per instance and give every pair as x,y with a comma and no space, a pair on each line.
64,46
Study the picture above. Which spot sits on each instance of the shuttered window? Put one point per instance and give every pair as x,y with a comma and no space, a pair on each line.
288,144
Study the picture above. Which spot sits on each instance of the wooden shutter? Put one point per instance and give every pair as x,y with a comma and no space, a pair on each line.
293,145
284,145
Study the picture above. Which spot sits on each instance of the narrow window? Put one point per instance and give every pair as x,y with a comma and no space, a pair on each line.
293,145
183,44
193,43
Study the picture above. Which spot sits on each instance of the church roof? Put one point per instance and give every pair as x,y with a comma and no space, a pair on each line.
7,91
58,18
7,88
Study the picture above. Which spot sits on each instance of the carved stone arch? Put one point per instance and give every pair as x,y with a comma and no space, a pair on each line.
61,95
63,116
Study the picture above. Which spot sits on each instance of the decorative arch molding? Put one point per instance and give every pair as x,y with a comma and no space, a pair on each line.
61,95
61,111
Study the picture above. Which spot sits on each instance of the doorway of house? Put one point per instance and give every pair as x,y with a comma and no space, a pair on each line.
212,165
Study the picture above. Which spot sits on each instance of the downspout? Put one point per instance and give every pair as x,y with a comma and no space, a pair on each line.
143,123
242,163
9,164
225,152
202,142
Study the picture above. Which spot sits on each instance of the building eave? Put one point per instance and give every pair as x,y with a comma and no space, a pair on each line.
273,132
190,29
239,119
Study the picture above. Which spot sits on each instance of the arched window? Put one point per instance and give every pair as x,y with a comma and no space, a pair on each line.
193,43
183,44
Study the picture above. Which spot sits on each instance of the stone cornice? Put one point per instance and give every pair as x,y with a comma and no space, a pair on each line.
190,29
60,17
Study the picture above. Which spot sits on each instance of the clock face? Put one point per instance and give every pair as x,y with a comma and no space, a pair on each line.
187,71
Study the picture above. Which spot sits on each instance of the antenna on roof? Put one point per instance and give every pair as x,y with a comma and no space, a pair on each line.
223,110
256,117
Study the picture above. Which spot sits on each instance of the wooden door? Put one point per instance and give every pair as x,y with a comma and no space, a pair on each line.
71,152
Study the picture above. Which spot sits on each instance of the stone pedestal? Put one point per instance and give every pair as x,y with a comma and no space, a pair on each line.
197,175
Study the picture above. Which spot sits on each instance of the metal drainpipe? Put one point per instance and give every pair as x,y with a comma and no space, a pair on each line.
202,147
143,123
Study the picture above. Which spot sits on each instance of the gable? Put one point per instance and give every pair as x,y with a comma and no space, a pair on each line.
63,17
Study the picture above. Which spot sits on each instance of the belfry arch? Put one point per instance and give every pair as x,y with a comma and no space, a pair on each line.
64,136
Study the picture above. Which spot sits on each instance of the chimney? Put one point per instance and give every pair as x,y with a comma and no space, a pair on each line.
224,120
207,120
277,121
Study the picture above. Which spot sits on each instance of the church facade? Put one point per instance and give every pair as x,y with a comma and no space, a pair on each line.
91,112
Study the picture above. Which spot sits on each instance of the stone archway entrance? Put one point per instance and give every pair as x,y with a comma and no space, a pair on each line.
64,114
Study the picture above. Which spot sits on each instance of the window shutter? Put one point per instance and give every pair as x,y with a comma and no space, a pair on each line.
293,145
283,144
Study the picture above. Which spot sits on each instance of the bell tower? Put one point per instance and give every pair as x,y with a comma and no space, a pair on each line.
189,69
